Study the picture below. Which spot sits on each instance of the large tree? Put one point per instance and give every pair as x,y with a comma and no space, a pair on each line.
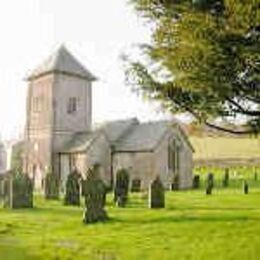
203,58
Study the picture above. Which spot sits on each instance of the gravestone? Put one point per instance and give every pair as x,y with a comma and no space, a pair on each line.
18,191
245,187
210,179
175,183
226,178
196,182
209,184
121,188
72,195
95,197
209,189
136,185
156,194
51,186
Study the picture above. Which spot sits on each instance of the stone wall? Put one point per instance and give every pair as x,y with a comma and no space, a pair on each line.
38,132
66,87
98,153
139,165
147,165
49,125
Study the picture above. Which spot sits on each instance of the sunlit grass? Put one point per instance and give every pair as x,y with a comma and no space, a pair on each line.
225,225
225,147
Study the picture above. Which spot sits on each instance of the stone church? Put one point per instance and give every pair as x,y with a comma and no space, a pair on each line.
59,132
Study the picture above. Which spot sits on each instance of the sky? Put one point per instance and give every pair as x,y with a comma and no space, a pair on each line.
96,32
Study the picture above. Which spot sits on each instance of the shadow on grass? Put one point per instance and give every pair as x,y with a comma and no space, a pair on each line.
214,209
184,219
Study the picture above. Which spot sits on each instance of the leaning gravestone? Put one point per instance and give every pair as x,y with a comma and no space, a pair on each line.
51,186
72,195
18,191
196,182
156,194
95,197
121,188
209,184
245,187
226,178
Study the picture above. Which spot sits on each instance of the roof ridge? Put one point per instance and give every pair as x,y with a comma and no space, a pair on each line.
61,61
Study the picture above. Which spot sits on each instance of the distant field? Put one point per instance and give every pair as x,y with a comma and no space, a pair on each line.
193,226
226,148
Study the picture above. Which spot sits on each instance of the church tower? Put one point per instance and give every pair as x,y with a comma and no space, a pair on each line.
59,105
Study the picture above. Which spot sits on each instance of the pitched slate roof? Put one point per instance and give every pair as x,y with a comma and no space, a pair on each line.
116,130
143,137
125,136
80,142
62,61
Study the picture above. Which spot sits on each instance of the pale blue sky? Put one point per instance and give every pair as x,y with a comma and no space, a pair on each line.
96,32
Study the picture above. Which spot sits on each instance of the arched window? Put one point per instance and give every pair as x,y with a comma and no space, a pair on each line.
174,156
72,106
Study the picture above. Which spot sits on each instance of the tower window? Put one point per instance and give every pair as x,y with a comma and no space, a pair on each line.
72,105
37,104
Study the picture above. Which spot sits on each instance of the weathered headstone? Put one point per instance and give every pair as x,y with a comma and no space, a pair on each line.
156,194
18,191
95,197
226,178
209,184
51,186
245,187
72,195
121,188
209,189
210,179
196,182
136,185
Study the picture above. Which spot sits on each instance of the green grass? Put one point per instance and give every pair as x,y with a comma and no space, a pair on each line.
225,225
225,147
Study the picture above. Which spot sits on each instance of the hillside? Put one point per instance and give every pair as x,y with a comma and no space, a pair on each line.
219,149
228,150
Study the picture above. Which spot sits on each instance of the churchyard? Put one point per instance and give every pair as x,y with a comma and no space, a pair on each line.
193,225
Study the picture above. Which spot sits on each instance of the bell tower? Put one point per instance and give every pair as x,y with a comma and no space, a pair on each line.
59,105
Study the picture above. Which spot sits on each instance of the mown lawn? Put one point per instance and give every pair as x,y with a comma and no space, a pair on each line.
225,225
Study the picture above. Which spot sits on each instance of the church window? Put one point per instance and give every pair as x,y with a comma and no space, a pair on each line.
37,104
72,105
174,156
